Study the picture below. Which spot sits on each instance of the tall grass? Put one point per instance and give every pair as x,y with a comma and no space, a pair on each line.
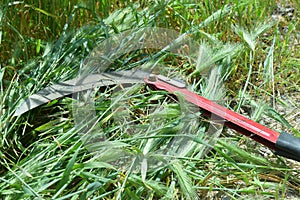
42,154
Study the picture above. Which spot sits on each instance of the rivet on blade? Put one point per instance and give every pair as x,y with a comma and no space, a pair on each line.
152,78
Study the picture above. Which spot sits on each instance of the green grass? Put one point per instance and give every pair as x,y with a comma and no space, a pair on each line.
42,152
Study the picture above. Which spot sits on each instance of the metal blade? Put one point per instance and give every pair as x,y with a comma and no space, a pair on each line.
80,84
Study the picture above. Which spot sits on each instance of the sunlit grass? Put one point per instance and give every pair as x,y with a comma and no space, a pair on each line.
42,153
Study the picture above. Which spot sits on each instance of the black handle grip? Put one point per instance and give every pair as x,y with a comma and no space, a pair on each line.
288,146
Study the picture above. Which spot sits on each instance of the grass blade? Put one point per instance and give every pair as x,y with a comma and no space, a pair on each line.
66,175
184,180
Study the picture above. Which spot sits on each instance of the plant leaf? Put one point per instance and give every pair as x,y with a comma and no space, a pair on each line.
185,181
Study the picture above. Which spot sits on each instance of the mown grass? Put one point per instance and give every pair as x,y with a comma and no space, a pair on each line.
42,152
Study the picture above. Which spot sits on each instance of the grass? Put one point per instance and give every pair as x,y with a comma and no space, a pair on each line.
43,154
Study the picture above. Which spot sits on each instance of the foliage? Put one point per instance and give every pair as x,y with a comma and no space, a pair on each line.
42,153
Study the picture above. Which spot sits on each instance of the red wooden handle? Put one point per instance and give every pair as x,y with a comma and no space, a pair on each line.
232,119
